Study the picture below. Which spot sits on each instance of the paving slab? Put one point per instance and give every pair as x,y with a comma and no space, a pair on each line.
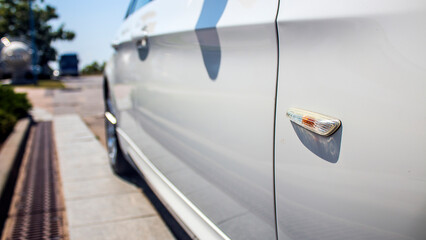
143,228
99,204
103,186
40,114
80,172
89,161
106,209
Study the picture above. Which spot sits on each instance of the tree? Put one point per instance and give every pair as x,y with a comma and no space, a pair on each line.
15,22
93,68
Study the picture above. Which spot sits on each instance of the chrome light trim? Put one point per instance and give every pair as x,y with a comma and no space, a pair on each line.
315,122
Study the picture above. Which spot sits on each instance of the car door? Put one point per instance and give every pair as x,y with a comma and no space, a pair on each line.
364,64
195,91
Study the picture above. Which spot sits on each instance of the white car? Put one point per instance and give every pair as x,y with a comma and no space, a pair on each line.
268,119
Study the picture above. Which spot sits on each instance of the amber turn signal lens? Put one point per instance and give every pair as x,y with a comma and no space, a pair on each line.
315,122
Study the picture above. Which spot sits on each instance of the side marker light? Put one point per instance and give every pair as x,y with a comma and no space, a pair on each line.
315,122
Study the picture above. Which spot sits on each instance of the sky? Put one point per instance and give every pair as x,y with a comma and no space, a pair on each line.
95,24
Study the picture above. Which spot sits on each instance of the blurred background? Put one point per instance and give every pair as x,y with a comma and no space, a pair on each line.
44,41
50,29
52,55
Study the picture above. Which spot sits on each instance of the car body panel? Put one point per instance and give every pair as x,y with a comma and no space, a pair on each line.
199,106
362,62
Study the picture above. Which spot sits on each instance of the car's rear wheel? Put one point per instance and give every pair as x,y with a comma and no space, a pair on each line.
118,162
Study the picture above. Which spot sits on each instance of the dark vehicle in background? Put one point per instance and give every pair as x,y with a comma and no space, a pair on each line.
68,64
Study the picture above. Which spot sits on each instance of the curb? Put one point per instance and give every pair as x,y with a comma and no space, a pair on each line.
10,160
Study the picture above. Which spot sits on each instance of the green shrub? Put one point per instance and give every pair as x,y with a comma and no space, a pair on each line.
13,106
13,103
7,121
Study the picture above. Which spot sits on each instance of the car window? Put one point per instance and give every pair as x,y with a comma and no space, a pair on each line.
135,5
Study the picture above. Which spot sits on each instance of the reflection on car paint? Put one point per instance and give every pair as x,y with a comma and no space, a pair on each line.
208,37
143,49
210,48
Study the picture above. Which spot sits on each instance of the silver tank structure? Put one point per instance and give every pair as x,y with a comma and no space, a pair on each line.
16,59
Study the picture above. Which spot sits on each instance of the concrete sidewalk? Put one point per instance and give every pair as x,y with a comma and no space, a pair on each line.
99,205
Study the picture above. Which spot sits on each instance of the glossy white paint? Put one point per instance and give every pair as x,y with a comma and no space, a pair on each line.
363,62
186,211
212,139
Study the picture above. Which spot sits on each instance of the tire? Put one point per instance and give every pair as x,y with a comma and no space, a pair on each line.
117,160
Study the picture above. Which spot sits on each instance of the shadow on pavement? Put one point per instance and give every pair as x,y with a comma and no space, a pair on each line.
134,177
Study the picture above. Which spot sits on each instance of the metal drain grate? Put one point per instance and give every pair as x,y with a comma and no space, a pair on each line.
37,210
